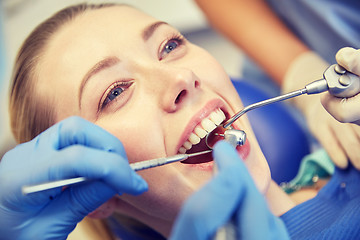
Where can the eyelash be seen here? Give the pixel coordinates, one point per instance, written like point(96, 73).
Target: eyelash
point(177, 37)
point(105, 101)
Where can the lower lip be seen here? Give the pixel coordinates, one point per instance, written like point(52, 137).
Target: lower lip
point(208, 166)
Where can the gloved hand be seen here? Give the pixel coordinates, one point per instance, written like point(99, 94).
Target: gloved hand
point(71, 148)
point(341, 141)
point(231, 192)
point(345, 109)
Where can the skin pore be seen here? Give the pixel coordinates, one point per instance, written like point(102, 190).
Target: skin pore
point(142, 81)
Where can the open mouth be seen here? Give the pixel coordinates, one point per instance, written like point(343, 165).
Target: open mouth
point(196, 141)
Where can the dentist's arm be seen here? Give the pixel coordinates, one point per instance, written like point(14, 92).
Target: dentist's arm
point(71, 148)
point(239, 21)
point(231, 193)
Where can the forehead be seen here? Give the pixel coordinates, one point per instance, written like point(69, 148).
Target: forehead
point(83, 41)
point(95, 32)
point(124, 18)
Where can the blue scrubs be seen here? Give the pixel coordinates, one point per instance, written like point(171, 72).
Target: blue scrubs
point(324, 26)
point(333, 214)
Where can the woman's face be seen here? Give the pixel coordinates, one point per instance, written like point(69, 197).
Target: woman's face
point(139, 79)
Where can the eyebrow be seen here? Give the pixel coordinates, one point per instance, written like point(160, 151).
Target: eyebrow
point(100, 66)
point(149, 30)
point(111, 61)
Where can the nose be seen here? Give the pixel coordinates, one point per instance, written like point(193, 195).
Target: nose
point(181, 86)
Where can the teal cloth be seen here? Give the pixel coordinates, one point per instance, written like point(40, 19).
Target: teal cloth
point(315, 165)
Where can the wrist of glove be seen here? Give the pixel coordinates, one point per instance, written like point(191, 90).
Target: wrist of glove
point(306, 68)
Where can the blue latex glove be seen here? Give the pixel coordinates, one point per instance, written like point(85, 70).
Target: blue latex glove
point(71, 148)
point(231, 193)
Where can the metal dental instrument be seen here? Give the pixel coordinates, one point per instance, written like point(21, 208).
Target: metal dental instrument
point(336, 79)
point(135, 166)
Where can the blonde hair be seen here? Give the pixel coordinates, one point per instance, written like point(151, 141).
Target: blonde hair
point(31, 114)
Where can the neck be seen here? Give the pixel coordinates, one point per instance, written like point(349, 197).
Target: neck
point(162, 226)
point(279, 202)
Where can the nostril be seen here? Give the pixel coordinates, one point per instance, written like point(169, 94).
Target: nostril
point(180, 96)
point(197, 84)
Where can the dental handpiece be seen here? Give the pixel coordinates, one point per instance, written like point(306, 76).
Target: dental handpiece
point(135, 166)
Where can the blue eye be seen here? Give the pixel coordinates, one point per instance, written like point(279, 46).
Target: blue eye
point(114, 92)
point(171, 45)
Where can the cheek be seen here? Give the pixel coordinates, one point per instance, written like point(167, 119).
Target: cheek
point(142, 139)
point(212, 75)
point(256, 162)
point(258, 168)
point(208, 68)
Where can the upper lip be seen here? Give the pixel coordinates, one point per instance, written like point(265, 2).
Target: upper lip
point(199, 116)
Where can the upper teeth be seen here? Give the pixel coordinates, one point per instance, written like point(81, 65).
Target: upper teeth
point(207, 125)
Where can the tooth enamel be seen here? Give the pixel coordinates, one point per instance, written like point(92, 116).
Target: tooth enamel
point(194, 139)
point(217, 117)
point(200, 132)
point(187, 145)
point(182, 150)
point(208, 125)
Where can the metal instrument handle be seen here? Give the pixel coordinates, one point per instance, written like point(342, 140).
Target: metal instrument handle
point(341, 83)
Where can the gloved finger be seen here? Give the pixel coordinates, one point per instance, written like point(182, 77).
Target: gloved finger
point(342, 109)
point(78, 131)
point(349, 141)
point(252, 210)
point(253, 214)
point(356, 129)
point(96, 164)
point(349, 58)
point(78, 201)
point(356, 161)
point(70, 207)
point(73, 204)
point(327, 138)
point(214, 204)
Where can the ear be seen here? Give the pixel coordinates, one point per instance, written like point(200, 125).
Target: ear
point(104, 210)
